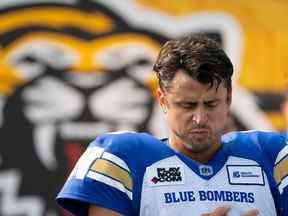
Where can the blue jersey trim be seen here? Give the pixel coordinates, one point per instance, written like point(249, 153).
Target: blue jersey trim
point(76, 198)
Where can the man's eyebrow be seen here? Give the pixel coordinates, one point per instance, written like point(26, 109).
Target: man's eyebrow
point(213, 100)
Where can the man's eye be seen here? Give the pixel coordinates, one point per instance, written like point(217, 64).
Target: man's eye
point(188, 105)
point(211, 104)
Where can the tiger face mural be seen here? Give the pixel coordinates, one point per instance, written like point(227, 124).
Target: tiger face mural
point(69, 73)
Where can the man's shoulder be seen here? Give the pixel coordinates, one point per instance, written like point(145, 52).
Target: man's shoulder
point(132, 146)
point(266, 144)
point(259, 136)
point(125, 140)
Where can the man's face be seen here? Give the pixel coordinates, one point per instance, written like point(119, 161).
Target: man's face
point(197, 114)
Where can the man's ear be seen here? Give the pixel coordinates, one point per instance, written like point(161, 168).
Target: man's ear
point(229, 96)
point(161, 97)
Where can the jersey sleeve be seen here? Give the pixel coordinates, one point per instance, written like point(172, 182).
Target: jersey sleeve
point(100, 178)
point(281, 174)
point(275, 146)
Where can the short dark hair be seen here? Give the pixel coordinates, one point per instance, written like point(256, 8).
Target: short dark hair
point(197, 55)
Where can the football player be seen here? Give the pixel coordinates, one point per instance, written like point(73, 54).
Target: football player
point(195, 171)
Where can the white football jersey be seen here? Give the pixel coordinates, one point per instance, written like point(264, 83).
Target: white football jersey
point(137, 174)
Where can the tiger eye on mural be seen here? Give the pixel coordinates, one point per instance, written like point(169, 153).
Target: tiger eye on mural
point(71, 71)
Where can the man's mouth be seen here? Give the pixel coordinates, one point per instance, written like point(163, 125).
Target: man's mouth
point(200, 130)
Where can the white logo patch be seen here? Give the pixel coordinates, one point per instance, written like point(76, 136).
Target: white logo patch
point(245, 174)
point(206, 170)
point(165, 175)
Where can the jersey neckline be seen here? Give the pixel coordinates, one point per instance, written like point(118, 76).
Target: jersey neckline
point(208, 170)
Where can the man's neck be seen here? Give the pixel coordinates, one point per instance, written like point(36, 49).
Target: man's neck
point(201, 157)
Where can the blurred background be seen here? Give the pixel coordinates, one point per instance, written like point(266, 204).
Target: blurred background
point(71, 70)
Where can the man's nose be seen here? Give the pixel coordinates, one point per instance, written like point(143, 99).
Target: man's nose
point(200, 116)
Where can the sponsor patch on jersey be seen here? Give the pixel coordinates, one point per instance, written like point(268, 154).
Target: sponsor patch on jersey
point(171, 175)
point(245, 175)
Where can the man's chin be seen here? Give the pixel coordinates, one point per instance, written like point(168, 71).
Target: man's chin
point(198, 147)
